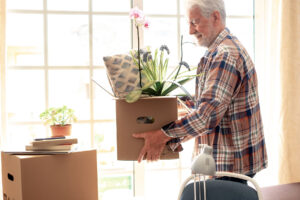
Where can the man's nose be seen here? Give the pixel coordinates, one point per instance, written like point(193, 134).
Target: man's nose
point(192, 30)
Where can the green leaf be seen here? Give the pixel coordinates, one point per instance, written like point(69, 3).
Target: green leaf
point(173, 71)
point(148, 72)
point(148, 84)
point(165, 67)
point(149, 91)
point(174, 86)
point(161, 60)
point(159, 91)
point(58, 116)
point(133, 96)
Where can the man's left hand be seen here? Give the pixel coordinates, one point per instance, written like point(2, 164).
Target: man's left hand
point(155, 142)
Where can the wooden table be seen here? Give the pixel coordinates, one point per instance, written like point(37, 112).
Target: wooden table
point(282, 192)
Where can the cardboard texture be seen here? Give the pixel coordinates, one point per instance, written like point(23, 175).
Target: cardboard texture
point(130, 117)
point(70, 176)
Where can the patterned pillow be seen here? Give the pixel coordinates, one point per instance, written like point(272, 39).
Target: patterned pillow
point(122, 73)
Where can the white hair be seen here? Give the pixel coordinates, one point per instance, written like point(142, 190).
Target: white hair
point(207, 7)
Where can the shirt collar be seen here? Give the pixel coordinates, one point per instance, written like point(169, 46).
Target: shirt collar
point(219, 39)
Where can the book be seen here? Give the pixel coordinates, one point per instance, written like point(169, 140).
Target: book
point(49, 138)
point(22, 152)
point(44, 143)
point(48, 148)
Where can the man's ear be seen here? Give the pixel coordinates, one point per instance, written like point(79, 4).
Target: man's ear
point(216, 17)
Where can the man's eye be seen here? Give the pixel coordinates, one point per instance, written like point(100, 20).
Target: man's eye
point(192, 22)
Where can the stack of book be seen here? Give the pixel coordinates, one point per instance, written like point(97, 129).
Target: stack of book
point(54, 144)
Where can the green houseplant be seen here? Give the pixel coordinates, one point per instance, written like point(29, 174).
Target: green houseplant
point(59, 119)
point(153, 67)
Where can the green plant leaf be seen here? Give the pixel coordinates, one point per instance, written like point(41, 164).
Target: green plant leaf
point(58, 116)
point(133, 96)
point(161, 60)
point(148, 72)
point(149, 91)
point(156, 81)
point(174, 86)
point(165, 67)
point(159, 87)
point(148, 84)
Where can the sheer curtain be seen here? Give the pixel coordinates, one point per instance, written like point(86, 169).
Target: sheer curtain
point(290, 85)
point(277, 45)
point(267, 58)
point(2, 67)
point(2, 74)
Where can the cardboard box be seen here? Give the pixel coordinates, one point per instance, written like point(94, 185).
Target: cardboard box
point(70, 176)
point(143, 115)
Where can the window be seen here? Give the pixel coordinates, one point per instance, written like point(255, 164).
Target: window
point(55, 47)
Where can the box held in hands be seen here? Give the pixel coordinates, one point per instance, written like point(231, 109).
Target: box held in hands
point(146, 114)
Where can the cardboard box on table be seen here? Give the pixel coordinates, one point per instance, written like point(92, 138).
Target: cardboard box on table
point(71, 176)
point(131, 117)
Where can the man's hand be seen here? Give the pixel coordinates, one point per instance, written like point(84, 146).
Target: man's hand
point(155, 141)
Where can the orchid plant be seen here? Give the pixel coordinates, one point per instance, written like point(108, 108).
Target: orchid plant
point(153, 66)
point(139, 20)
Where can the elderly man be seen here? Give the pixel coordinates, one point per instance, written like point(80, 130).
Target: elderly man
point(227, 113)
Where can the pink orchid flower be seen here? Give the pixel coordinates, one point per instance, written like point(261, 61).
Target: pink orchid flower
point(139, 18)
point(140, 21)
point(136, 13)
point(146, 23)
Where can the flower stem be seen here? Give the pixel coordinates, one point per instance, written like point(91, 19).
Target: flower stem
point(139, 56)
point(181, 56)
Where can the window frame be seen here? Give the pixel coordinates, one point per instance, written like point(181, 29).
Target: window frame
point(138, 170)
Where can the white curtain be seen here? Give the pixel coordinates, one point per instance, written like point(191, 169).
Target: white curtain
point(289, 166)
point(2, 74)
point(2, 68)
point(277, 34)
point(267, 59)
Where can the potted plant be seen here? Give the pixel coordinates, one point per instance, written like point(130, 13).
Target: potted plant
point(152, 66)
point(59, 119)
point(154, 69)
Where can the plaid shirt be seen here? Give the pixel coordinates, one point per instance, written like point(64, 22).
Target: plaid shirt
point(227, 113)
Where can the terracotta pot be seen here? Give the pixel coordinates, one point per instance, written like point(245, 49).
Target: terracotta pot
point(58, 130)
